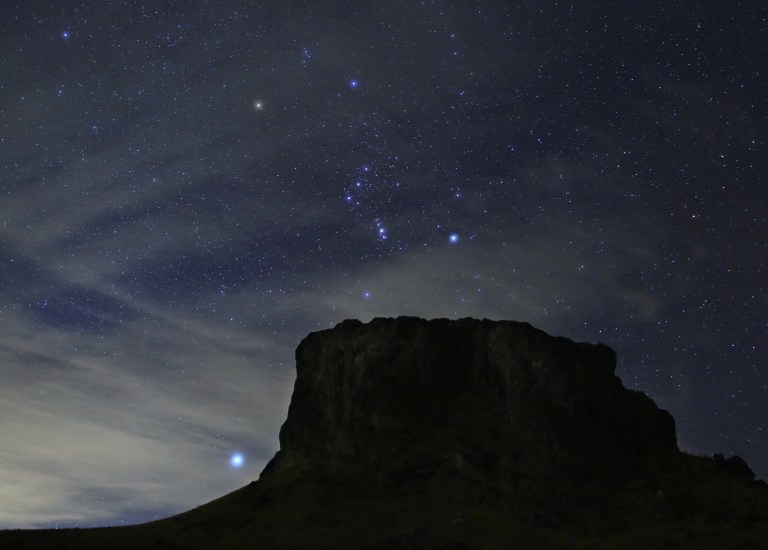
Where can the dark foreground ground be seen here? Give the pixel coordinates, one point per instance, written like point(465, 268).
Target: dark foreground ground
point(686, 503)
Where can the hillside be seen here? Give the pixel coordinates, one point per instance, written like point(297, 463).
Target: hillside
point(407, 433)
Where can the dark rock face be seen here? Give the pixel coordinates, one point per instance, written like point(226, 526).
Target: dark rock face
point(406, 433)
point(489, 401)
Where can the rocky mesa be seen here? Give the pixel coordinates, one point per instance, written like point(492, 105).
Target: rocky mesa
point(409, 433)
point(495, 402)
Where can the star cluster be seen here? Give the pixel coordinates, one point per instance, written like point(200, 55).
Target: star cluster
point(187, 189)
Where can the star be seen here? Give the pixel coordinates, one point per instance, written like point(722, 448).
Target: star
point(236, 460)
point(453, 238)
point(258, 105)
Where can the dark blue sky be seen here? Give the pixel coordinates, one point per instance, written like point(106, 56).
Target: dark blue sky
point(188, 188)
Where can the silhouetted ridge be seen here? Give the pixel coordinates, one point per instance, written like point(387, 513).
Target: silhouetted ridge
point(490, 400)
point(468, 434)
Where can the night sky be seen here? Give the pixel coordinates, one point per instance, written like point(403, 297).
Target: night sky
point(188, 188)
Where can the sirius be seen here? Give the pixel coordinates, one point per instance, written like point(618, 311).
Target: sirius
point(236, 460)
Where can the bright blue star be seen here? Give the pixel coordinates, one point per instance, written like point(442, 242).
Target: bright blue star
point(65, 35)
point(366, 294)
point(454, 238)
point(236, 460)
point(354, 84)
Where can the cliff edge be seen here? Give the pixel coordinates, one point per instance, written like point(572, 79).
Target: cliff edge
point(496, 402)
point(463, 434)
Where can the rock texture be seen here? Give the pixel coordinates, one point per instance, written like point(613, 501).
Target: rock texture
point(492, 401)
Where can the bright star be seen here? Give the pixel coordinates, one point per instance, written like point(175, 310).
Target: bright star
point(236, 460)
point(65, 35)
point(354, 84)
point(258, 105)
point(454, 238)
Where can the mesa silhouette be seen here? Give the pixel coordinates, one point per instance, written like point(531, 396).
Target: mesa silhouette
point(408, 433)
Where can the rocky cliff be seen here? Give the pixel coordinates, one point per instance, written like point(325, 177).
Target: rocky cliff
point(467, 434)
point(491, 401)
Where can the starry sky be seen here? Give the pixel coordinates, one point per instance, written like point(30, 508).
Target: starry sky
point(188, 188)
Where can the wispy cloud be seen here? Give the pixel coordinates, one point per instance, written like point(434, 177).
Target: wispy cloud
point(100, 429)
